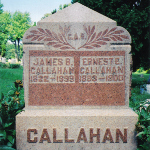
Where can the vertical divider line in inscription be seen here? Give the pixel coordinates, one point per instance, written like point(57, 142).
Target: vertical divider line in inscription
point(124, 68)
point(76, 65)
point(29, 101)
point(29, 68)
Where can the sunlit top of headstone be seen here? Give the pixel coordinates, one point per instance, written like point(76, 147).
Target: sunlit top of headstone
point(77, 13)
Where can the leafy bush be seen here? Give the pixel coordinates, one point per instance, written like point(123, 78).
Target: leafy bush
point(10, 50)
point(143, 125)
point(141, 106)
point(8, 65)
point(148, 71)
point(137, 81)
point(4, 65)
point(14, 66)
point(141, 69)
point(10, 106)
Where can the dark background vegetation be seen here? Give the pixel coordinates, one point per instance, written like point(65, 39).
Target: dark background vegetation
point(133, 15)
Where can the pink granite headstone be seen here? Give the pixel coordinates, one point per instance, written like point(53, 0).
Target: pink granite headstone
point(77, 83)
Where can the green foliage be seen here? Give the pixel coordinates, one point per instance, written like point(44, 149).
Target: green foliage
point(34, 24)
point(10, 106)
point(7, 76)
point(46, 15)
point(4, 65)
point(63, 6)
point(3, 49)
point(8, 65)
point(133, 15)
point(10, 51)
point(55, 10)
point(1, 10)
point(139, 103)
point(13, 27)
point(148, 71)
point(14, 66)
point(137, 80)
point(141, 69)
point(4, 31)
point(142, 107)
point(20, 22)
point(143, 126)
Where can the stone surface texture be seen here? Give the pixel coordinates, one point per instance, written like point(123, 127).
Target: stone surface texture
point(76, 49)
point(74, 120)
point(76, 84)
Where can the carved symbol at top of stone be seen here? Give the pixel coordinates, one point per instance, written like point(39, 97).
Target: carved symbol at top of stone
point(92, 38)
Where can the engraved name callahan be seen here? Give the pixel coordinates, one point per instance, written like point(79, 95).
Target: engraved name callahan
point(52, 70)
point(92, 69)
point(33, 137)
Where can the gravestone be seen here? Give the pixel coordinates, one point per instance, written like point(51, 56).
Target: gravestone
point(9, 60)
point(13, 61)
point(76, 82)
point(21, 63)
point(3, 60)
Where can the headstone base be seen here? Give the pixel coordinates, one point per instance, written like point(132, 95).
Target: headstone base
point(86, 129)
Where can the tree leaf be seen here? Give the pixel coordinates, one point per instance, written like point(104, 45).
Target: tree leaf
point(3, 133)
point(8, 124)
point(1, 121)
point(4, 147)
point(11, 139)
point(140, 133)
point(2, 96)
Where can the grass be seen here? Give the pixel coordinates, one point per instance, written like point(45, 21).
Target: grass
point(7, 77)
point(137, 80)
